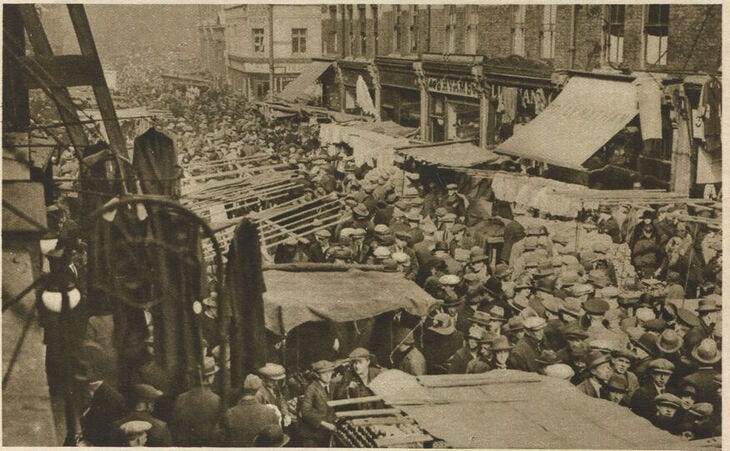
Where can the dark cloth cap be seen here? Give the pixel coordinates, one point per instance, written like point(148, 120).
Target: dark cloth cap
point(145, 392)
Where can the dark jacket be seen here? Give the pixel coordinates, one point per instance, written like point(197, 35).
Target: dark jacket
point(439, 348)
point(458, 362)
point(703, 380)
point(243, 422)
point(314, 411)
point(524, 354)
point(106, 407)
point(195, 415)
point(642, 403)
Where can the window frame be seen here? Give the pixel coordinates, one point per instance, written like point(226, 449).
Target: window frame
point(397, 28)
point(519, 18)
point(451, 29)
point(298, 36)
point(615, 28)
point(548, 31)
point(472, 29)
point(660, 32)
point(413, 31)
point(362, 12)
point(258, 33)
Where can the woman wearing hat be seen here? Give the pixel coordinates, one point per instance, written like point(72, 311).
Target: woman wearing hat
point(646, 254)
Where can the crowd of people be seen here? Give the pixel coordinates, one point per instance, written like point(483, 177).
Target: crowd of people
point(509, 297)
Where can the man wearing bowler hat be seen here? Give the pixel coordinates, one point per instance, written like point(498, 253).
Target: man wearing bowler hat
point(707, 357)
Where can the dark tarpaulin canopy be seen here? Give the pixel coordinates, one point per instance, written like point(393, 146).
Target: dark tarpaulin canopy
point(471, 411)
point(458, 154)
point(293, 298)
point(302, 87)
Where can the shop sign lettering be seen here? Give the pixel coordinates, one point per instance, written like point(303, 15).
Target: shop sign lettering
point(456, 87)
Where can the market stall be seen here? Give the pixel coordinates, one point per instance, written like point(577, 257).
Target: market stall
point(372, 143)
point(312, 305)
point(471, 411)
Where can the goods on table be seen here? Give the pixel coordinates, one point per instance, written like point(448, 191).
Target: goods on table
point(381, 432)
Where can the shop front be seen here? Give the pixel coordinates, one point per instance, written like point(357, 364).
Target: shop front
point(520, 89)
point(454, 97)
point(400, 92)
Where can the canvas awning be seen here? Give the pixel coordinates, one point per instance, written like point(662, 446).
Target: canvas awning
point(584, 117)
point(471, 411)
point(304, 87)
point(293, 298)
point(463, 154)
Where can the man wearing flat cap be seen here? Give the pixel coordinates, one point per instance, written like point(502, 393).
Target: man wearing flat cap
point(272, 389)
point(529, 347)
point(134, 432)
point(143, 399)
point(317, 418)
point(244, 421)
point(642, 403)
point(317, 251)
point(195, 413)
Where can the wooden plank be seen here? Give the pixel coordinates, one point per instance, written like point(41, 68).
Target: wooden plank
point(359, 422)
point(63, 71)
point(367, 413)
point(101, 91)
point(347, 402)
point(324, 267)
point(60, 96)
point(387, 442)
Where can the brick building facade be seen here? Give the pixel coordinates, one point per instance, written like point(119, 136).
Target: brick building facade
point(255, 58)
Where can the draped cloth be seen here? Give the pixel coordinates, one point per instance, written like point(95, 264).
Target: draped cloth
point(155, 163)
point(120, 282)
point(243, 288)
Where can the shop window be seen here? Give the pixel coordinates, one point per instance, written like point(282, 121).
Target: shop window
point(615, 33)
point(258, 40)
point(299, 40)
point(547, 35)
point(451, 30)
point(396, 28)
point(657, 34)
point(518, 30)
point(413, 29)
point(363, 30)
point(462, 120)
point(472, 32)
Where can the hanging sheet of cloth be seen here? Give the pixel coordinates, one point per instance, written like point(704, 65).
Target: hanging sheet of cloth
point(711, 101)
point(244, 288)
point(649, 94)
point(509, 104)
point(120, 281)
point(155, 163)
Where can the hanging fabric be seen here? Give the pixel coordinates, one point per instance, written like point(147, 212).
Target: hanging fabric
point(363, 100)
point(711, 100)
point(650, 108)
point(155, 163)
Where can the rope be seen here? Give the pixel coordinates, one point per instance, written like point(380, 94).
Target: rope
point(24, 216)
point(18, 347)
